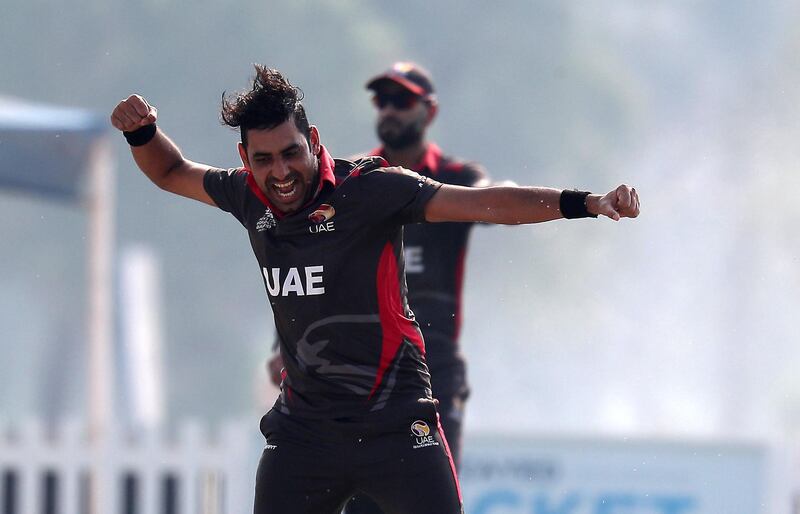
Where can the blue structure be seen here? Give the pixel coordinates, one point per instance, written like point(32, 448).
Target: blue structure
point(46, 150)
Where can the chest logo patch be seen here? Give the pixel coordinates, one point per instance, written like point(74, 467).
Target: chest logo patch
point(320, 219)
point(323, 213)
point(266, 221)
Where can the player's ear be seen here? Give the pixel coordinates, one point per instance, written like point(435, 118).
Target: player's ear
point(243, 155)
point(313, 140)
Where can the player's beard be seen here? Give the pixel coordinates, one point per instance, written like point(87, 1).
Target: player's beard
point(405, 137)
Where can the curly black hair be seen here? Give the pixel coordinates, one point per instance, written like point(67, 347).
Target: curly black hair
point(271, 101)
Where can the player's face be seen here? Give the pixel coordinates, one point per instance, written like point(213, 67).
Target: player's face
point(284, 164)
point(402, 116)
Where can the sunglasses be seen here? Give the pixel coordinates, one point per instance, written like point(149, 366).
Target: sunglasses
point(401, 101)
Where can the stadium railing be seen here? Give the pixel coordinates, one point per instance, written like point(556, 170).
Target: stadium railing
point(191, 470)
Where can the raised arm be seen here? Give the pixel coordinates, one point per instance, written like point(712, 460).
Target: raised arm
point(514, 205)
point(158, 157)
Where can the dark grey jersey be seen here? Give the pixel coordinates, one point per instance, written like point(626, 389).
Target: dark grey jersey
point(334, 275)
point(435, 254)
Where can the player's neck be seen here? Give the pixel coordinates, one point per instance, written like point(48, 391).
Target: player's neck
point(407, 157)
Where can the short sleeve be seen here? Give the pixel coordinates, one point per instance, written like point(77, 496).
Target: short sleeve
point(228, 188)
point(399, 196)
point(475, 175)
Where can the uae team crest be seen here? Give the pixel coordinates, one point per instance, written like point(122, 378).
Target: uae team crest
point(323, 213)
point(420, 428)
point(422, 435)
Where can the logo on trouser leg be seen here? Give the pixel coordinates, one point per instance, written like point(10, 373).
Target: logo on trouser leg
point(422, 435)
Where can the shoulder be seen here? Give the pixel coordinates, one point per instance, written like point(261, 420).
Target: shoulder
point(375, 152)
point(374, 177)
point(225, 177)
point(346, 168)
point(453, 170)
point(227, 172)
point(231, 190)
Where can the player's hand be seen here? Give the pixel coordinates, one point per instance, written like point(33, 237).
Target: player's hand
point(132, 113)
point(274, 368)
point(623, 202)
point(397, 169)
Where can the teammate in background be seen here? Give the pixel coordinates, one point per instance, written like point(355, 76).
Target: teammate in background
point(355, 414)
point(435, 253)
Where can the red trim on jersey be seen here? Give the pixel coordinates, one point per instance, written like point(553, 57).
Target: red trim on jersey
point(357, 171)
point(462, 257)
point(326, 165)
point(449, 456)
point(395, 326)
point(284, 386)
point(455, 167)
point(251, 183)
point(430, 160)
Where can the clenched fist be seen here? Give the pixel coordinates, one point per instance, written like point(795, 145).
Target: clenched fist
point(623, 202)
point(132, 113)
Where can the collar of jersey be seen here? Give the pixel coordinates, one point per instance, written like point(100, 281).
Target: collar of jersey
point(429, 161)
point(326, 165)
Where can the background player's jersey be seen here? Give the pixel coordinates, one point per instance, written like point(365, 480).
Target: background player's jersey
point(334, 276)
point(435, 255)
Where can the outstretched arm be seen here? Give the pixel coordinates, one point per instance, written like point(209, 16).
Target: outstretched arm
point(510, 205)
point(158, 157)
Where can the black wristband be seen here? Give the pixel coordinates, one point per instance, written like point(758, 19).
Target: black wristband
point(140, 136)
point(573, 204)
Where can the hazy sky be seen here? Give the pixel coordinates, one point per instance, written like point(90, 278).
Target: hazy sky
point(677, 323)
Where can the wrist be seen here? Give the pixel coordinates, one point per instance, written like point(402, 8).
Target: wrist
point(578, 204)
point(140, 136)
point(593, 204)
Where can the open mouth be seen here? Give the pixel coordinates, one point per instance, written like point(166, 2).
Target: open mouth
point(286, 191)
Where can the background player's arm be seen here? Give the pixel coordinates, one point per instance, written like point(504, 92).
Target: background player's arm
point(160, 159)
point(516, 205)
